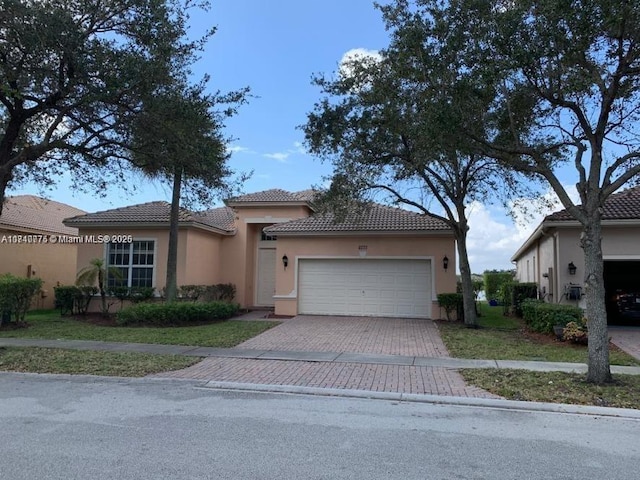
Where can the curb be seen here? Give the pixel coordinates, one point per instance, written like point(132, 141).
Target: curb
point(499, 404)
point(627, 413)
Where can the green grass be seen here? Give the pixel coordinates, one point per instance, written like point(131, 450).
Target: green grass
point(79, 362)
point(503, 338)
point(557, 387)
point(50, 325)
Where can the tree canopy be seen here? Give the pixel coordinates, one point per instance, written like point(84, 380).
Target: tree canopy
point(72, 78)
point(387, 126)
point(560, 82)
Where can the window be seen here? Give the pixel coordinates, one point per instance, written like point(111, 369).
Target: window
point(130, 264)
point(265, 237)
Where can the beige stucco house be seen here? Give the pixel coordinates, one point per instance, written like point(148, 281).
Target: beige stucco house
point(553, 258)
point(281, 254)
point(28, 225)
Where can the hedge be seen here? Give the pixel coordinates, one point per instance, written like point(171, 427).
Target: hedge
point(72, 299)
point(175, 313)
point(16, 294)
point(451, 302)
point(493, 279)
point(540, 316)
point(512, 294)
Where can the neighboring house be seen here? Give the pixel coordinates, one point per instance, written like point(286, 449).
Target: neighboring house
point(553, 258)
point(280, 254)
point(27, 226)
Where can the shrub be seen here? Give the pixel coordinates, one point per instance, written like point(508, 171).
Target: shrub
point(222, 292)
point(135, 294)
point(541, 317)
point(175, 313)
point(191, 292)
point(576, 331)
point(141, 294)
point(72, 299)
point(16, 294)
point(521, 292)
point(505, 294)
point(451, 302)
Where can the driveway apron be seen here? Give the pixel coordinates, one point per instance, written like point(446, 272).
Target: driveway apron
point(386, 336)
point(627, 339)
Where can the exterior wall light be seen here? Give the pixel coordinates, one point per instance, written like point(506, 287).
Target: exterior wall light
point(572, 268)
point(445, 263)
point(285, 261)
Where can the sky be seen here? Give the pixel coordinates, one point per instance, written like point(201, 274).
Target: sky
point(275, 48)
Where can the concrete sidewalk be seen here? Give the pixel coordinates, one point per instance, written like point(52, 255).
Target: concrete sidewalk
point(304, 356)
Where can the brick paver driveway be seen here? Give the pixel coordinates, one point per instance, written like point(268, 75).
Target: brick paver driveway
point(627, 339)
point(390, 336)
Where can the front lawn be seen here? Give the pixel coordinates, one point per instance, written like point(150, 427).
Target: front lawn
point(79, 362)
point(505, 338)
point(556, 387)
point(50, 324)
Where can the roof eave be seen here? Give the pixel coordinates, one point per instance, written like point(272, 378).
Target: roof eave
point(297, 203)
point(147, 226)
point(360, 233)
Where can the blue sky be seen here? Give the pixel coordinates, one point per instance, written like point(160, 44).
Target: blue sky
point(274, 48)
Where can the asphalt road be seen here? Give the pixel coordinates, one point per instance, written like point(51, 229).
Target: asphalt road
point(97, 429)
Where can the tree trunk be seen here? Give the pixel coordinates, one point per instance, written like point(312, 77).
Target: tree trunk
point(103, 292)
point(599, 370)
point(4, 183)
point(171, 287)
point(468, 295)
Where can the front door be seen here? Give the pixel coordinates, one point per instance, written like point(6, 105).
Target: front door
point(266, 277)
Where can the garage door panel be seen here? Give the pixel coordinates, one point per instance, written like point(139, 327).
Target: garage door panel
point(365, 287)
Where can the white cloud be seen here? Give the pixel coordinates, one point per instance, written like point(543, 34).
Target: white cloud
point(238, 149)
point(358, 55)
point(279, 156)
point(494, 237)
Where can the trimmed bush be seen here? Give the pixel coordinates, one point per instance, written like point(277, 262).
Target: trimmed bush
point(223, 292)
point(541, 317)
point(175, 313)
point(220, 292)
point(134, 294)
point(74, 300)
point(451, 302)
point(521, 292)
point(16, 295)
point(191, 292)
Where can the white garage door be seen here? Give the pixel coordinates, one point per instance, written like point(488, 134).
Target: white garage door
point(394, 288)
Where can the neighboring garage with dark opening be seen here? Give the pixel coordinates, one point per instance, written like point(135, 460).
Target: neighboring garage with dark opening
point(622, 287)
point(553, 258)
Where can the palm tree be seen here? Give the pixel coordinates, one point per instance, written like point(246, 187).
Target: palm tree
point(97, 270)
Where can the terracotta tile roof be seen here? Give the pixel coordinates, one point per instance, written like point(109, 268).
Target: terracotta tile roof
point(156, 213)
point(275, 195)
point(36, 213)
point(377, 218)
point(624, 205)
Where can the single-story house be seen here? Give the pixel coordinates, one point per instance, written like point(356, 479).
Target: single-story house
point(553, 258)
point(27, 225)
point(280, 253)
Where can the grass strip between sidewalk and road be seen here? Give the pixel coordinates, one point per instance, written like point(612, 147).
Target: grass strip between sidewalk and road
point(556, 387)
point(82, 362)
point(223, 334)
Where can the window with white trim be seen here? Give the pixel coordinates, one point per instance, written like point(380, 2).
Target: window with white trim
point(131, 264)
